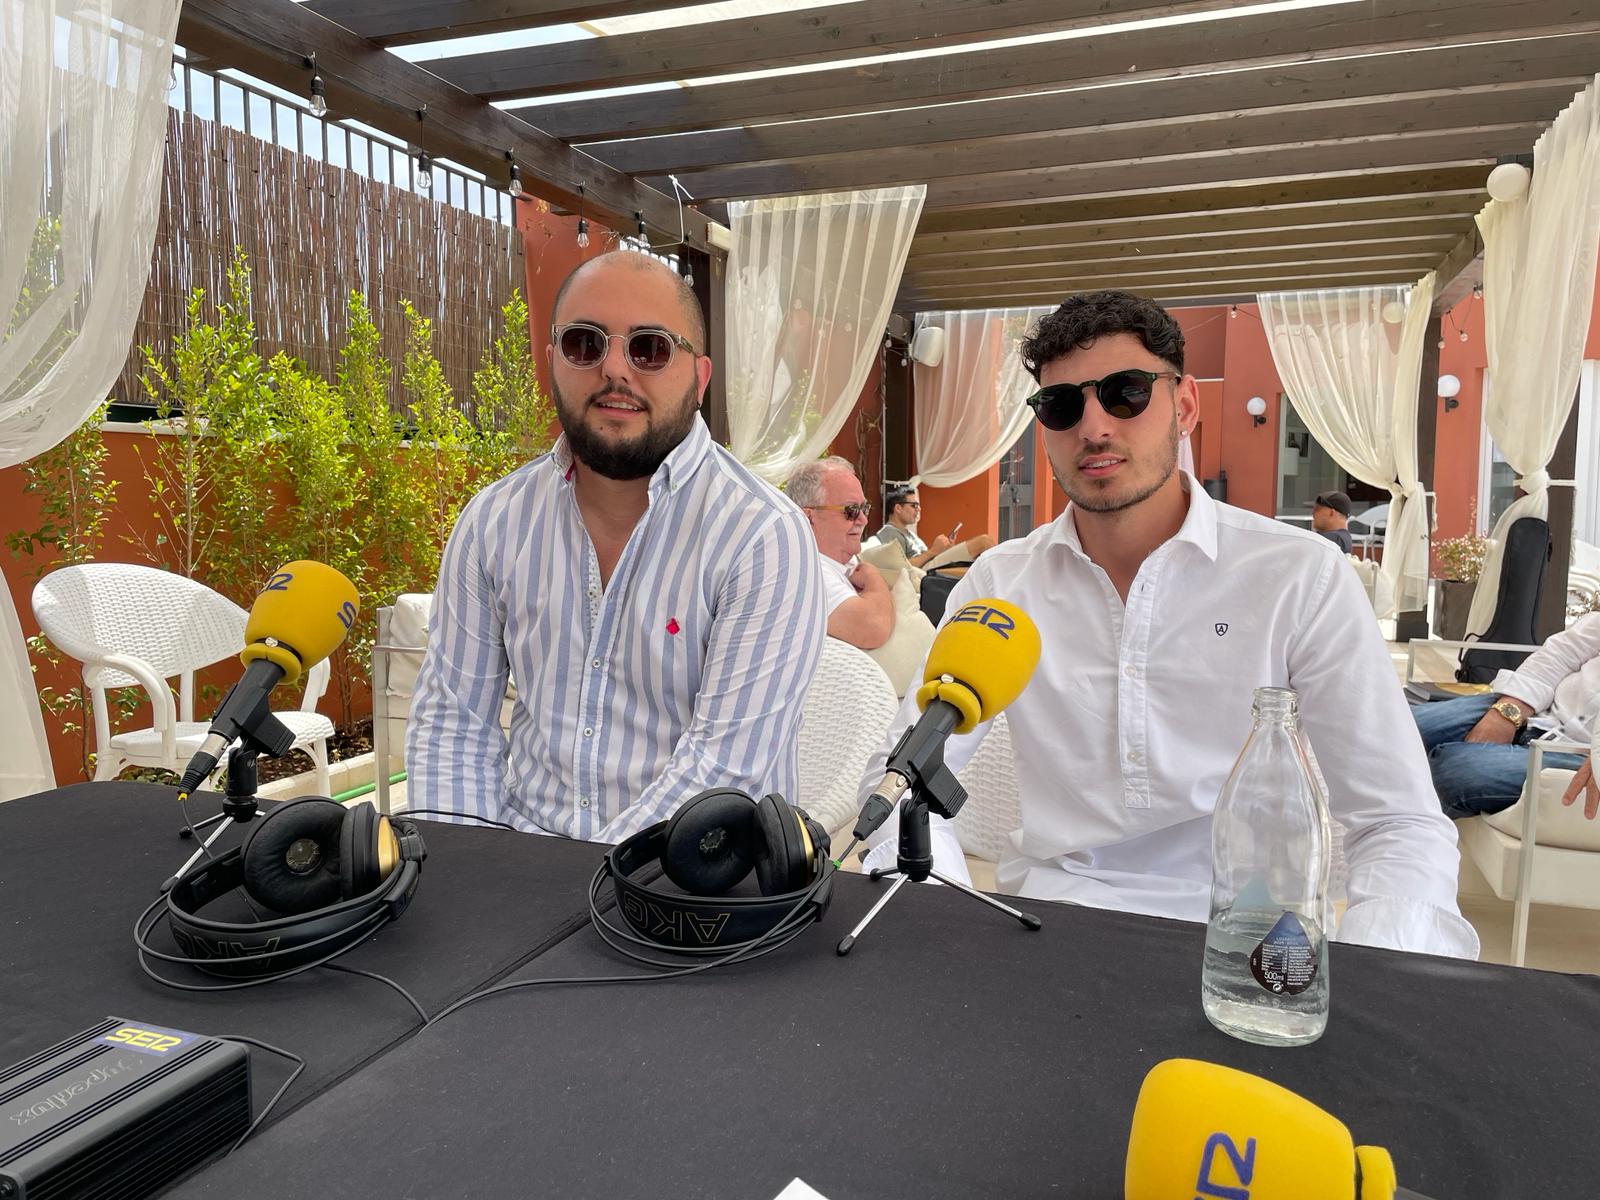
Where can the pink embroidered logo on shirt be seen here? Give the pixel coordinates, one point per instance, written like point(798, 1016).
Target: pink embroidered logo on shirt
point(672, 625)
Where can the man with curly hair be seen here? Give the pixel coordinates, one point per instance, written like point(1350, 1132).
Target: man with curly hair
point(1161, 610)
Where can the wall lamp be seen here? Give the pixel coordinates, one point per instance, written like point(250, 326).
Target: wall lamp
point(1257, 408)
point(1449, 389)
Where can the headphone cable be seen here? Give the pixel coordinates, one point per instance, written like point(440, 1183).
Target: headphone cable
point(754, 948)
point(409, 998)
point(278, 1095)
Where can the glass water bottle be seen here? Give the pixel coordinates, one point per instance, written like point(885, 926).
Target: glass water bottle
point(1265, 977)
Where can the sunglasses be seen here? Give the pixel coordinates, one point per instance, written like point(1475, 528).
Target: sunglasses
point(649, 351)
point(1123, 394)
point(852, 512)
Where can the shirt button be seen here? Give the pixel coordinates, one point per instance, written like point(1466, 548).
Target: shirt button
point(588, 733)
point(595, 664)
point(584, 803)
point(1133, 756)
point(1130, 672)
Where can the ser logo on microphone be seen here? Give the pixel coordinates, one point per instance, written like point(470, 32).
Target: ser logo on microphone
point(989, 618)
point(1207, 1185)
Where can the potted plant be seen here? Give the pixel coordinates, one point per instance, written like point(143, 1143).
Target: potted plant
point(1460, 560)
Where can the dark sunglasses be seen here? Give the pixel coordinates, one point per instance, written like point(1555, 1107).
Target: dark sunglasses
point(649, 350)
point(852, 512)
point(1123, 394)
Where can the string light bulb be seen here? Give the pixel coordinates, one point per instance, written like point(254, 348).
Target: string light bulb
point(514, 186)
point(1463, 335)
point(424, 163)
point(644, 234)
point(583, 222)
point(1233, 312)
point(318, 89)
point(1477, 291)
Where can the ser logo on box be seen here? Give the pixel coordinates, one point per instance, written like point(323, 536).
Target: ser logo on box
point(154, 1040)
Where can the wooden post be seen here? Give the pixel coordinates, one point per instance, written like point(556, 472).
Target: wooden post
point(1414, 623)
point(1552, 615)
point(710, 285)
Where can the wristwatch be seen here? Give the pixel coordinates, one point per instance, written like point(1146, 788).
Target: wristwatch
point(1511, 711)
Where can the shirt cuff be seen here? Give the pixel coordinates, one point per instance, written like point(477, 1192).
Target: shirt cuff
point(1396, 923)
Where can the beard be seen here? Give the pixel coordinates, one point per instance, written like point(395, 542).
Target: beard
point(623, 458)
point(1113, 500)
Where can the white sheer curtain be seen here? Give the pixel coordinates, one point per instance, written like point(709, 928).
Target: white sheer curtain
point(1353, 379)
point(970, 408)
point(83, 116)
point(810, 283)
point(1538, 287)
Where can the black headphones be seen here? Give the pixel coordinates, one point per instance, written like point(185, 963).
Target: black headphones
point(331, 876)
point(709, 845)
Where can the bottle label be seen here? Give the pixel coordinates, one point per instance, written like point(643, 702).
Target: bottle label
point(1285, 963)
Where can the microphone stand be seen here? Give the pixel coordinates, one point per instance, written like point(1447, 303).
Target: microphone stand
point(239, 804)
point(931, 786)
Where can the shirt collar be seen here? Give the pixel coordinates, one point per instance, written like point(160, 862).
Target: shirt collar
point(678, 468)
point(1199, 526)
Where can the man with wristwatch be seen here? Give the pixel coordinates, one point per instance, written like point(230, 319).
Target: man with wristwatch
point(1477, 745)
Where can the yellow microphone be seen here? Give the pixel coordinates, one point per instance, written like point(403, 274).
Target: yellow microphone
point(1205, 1131)
point(979, 662)
point(299, 618)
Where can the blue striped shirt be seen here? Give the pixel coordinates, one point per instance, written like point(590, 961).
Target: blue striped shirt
point(686, 671)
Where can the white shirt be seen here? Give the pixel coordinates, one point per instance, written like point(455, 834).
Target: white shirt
point(1131, 723)
point(1561, 680)
point(687, 670)
point(836, 585)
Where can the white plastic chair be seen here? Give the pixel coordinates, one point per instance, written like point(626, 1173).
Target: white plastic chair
point(848, 710)
point(131, 625)
point(1565, 845)
point(985, 823)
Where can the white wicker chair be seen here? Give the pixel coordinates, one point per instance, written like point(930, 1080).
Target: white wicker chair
point(985, 823)
point(849, 708)
point(131, 625)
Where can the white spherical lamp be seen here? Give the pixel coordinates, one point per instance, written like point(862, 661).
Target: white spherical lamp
point(1509, 181)
point(1449, 386)
point(1394, 312)
point(1257, 408)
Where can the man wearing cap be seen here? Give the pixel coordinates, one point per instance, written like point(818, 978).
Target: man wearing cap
point(1330, 512)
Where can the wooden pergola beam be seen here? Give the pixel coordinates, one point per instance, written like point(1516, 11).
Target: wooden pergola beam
point(1378, 194)
point(1193, 291)
point(1258, 40)
point(399, 22)
point(779, 39)
point(1399, 79)
point(1264, 247)
point(1357, 158)
point(1337, 126)
point(1231, 278)
point(1420, 258)
point(271, 39)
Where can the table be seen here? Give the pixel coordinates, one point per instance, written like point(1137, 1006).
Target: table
point(78, 864)
point(951, 1054)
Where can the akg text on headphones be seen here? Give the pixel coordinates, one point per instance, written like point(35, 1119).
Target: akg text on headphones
point(712, 843)
point(330, 875)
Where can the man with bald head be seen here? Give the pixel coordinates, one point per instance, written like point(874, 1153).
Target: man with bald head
point(659, 606)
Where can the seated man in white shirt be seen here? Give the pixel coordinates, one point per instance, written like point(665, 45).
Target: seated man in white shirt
point(1478, 745)
point(658, 604)
point(1161, 611)
point(859, 607)
point(904, 503)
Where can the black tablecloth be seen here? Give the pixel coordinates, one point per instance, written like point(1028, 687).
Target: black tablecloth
point(77, 866)
point(951, 1054)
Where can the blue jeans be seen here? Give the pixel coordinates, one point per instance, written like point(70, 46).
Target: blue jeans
point(1474, 777)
